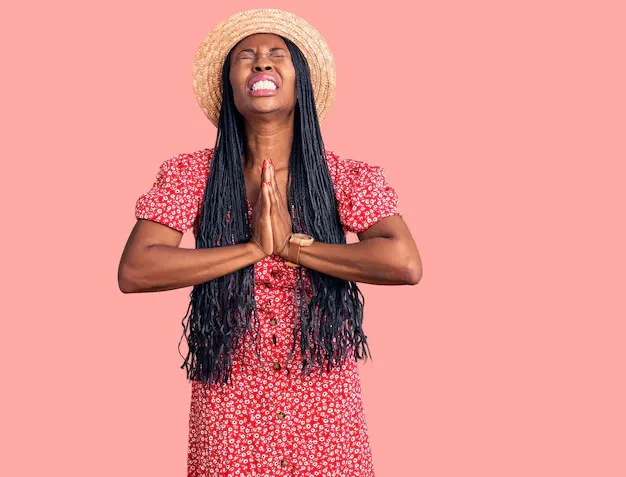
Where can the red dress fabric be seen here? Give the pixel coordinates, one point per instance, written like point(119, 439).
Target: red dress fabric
point(269, 421)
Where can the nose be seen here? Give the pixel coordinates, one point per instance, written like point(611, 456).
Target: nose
point(262, 64)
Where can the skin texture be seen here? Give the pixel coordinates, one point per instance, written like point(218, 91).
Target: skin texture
point(153, 260)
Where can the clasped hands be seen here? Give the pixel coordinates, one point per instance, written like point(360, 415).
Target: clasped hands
point(271, 222)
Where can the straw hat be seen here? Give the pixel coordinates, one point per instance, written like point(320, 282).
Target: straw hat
point(211, 54)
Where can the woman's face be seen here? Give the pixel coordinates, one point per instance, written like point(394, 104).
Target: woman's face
point(263, 77)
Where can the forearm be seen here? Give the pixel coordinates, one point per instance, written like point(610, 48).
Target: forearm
point(377, 260)
point(163, 267)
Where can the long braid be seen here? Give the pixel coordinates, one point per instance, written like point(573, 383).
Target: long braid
point(222, 310)
point(330, 319)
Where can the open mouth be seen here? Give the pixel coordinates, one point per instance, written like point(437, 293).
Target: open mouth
point(263, 88)
point(264, 85)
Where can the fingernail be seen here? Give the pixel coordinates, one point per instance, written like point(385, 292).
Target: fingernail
point(262, 185)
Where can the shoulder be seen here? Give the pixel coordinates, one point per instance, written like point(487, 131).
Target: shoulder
point(188, 165)
point(339, 163)
point(347, 172)
point(175, 196)
point(363, 193)
point(185, 171)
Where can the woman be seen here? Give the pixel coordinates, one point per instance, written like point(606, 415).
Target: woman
point(273, 274)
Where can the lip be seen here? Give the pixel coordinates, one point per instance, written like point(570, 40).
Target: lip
point(260, 77)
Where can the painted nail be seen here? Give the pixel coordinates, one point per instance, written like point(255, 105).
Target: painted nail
point(262, 185)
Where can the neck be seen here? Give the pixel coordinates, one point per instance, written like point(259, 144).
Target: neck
point(268, 140)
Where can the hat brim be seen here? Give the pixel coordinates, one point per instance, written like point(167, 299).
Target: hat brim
point(210, 57)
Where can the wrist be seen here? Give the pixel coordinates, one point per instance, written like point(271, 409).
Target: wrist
point(291, 251)
point(256, 251)
point(284, 250)
point(297, 242)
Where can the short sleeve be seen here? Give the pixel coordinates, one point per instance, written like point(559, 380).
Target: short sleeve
point(364, 194)
point(175, 197)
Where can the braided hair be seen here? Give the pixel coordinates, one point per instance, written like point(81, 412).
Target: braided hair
point(222, 310)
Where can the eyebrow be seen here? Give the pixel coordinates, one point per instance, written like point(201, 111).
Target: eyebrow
point(251, 50)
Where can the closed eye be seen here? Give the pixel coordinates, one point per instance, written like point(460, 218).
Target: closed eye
point(252, 57)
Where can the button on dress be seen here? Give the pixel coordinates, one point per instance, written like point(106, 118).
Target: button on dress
point(269, 420)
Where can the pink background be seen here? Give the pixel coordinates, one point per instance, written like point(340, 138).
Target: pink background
point(500, 124)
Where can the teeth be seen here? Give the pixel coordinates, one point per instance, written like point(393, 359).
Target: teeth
point(264, 84)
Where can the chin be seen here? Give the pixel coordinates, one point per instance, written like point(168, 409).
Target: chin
point(266, 112)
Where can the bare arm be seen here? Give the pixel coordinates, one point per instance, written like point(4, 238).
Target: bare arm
point(385, 255)
point(153, 261)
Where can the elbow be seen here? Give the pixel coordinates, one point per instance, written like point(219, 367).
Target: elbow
point(126, 281)
point(413, 273)
point(133, 273)
point(409, 265)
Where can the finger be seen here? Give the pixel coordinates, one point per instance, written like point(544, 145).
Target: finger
point(265, 176)
point(278, 199)
point(267, 203)
point(275, 189)
point(271, 180)
point(272, 174)
point(272, 169)
point(272, 194)
point(262, 200)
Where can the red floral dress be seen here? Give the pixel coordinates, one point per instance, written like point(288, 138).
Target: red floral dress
point(269, 421)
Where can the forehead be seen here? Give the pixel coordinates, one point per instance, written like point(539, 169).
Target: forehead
point(260, 40)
